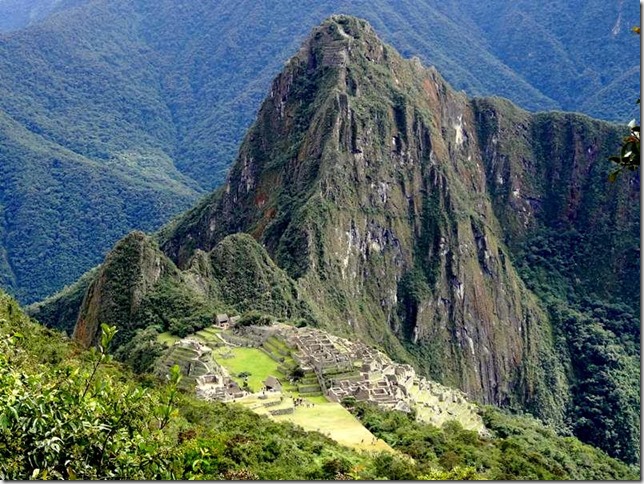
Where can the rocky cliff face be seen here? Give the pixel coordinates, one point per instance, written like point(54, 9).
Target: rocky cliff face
point(547, 176)
point(396, 210)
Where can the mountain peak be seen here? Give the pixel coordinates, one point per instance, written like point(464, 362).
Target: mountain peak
point(333, 43)
point(375, 186)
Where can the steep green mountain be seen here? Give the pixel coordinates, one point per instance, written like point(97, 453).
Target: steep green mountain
point(138, 286)
point(551, 47)
point(65, 416)
point(116, 115)
point(464, 236)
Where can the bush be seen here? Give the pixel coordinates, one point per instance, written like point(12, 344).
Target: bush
point(255, 318)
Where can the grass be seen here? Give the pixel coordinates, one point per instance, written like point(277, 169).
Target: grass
point(252, 360)
point(335, 421)
point(167, 338)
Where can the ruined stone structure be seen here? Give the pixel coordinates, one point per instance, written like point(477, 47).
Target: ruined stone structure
point(212, 382)
point(343, 369)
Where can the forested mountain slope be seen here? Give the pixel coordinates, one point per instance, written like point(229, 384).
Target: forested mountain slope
point(464, 236)
point(18, 14)
point(116, 115)
point(579, 55)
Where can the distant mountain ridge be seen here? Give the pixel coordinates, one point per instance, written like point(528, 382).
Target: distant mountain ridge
point(19, 14)
point(117, 115)
point(465, 236)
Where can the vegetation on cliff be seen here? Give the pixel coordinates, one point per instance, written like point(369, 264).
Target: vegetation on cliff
point(140, 291)
point(520, 447)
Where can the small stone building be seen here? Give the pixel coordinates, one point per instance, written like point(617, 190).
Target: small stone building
point(272, 384)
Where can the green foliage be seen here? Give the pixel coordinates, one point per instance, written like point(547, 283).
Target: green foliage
point(566, 201)
point(255, 318)
point(60, 422)
point(17, 14)
point(70, 414)
point(99, 352)
point(455, 474)
point(250, 280)
point(629, 155)
point(604, 358)
point(142, 350)
point(518, 448)
point(579, 254)
point(175, 307)
point(597, 63)
point(412, 291)
point(165, 411)
point(598, 341)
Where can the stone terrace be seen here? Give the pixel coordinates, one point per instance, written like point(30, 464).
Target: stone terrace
point(341, 367)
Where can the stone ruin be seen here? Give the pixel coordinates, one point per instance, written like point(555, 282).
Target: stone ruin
point(223, 321)
point(353, 369)
point(343, 369)
point(215, 383)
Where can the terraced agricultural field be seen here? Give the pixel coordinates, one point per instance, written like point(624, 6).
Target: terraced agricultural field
point(335, 421)
point(187, 359)
point(168, 338)
point(210, 336)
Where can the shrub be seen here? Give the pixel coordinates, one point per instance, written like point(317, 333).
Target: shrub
point(254, 318)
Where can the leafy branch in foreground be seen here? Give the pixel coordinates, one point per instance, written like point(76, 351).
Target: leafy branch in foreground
point(629, 155)
point(166, 411)
point(100, 354)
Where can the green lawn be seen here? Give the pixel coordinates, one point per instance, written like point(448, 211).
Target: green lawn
point(252, 360)
point(167, 338)
point(335, 421)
